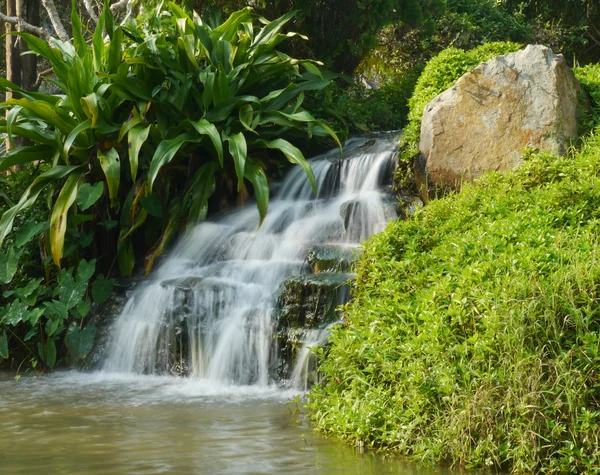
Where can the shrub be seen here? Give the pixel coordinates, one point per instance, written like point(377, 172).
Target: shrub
point(472, 337)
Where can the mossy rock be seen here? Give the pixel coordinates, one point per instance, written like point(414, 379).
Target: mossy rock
point(331, 258)
point(311, 300)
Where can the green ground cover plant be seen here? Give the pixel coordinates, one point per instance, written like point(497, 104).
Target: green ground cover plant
point(472, 338)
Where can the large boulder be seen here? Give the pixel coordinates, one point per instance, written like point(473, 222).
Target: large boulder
point(486, 120)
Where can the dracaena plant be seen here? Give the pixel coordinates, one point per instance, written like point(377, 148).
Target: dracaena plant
point(152, 114)
point(151, 118)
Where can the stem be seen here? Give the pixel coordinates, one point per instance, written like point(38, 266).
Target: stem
point(55, 19)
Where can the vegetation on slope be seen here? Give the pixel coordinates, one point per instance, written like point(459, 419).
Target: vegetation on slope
point(473, 336)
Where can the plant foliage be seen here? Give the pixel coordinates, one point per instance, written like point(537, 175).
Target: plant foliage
point(473, 334)
point(152, 117)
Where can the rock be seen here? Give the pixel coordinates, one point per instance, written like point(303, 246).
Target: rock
point(312, 300)
point(484, 122)
point(331, 257)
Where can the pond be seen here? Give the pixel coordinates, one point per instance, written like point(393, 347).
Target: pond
point(76, 423)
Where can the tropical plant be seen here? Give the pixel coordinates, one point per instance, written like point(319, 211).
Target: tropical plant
point(177, 99)
point(151, 119)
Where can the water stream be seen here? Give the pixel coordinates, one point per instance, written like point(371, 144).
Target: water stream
point(210, 313)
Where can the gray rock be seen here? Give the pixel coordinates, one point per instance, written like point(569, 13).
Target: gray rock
point(485, 121)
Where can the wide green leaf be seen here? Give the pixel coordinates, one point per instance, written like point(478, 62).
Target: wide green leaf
point(165, 152)
point(25, 155)
point(136, 138)
point(28, 231)
point(47, 352)
point(102, 288)
point(46, 112)
point(71, 291)
point(82, 127)
point(80, 342)
point(238, 150)
point(204, 127)
point(85, 270)
point(31, 194)
point(89, 194)
point(293, 154)
point(58, 219)
point(111, 166)
point(17, 312)
point(152, 205)
point(9, 263)
point(257, 177)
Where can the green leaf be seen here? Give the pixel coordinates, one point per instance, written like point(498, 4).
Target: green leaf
point(83, 308)
point(125, 258)
point(17, 312)
point(102, 288)
point(257, 177)
point(152, 205)
point(9, 263)
point(85, 270)
point(48, 113)
point(28, 231)
point(71, 291)
point(204, 127)
point(165, 153)
point(111, 165)
point(47, 352)
point(3, 345)
point(30, 288)
point(239, 150)
point(293, 154)
point(80, 342)
point(30, 195)
point(246, 117)
point(56, 309)
point(83, 126)
point(200, 190)
point(78, 39)
point(89, 194)
point(25, 155)
point(58, 219)
point(136, 138)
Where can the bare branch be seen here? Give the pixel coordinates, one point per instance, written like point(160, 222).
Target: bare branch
point(40, 78)
point(55, 19)
point(90, 9)
point(24, 26)
point(119, 7)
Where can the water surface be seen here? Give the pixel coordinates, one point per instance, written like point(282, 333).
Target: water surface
point(99, 423)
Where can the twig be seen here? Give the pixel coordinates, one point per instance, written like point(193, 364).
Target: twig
point(24, 26)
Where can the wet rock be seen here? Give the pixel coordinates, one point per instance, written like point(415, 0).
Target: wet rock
point(484, 122)
point(331, 258)
point(312, 300)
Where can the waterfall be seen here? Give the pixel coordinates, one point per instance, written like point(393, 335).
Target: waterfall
point(209, 310)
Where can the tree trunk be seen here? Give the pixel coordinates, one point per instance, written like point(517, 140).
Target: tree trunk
point(29, 62)
point(13, 55)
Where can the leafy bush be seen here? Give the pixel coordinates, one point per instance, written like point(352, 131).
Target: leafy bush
point(589, 78)
point(384, 108)
point(440, 73)
point(473, 334)
point(148, 124)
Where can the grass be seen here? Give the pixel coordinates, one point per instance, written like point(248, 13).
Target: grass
point(473, 335)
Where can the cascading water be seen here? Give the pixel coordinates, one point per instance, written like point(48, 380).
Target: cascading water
point(208, 311)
